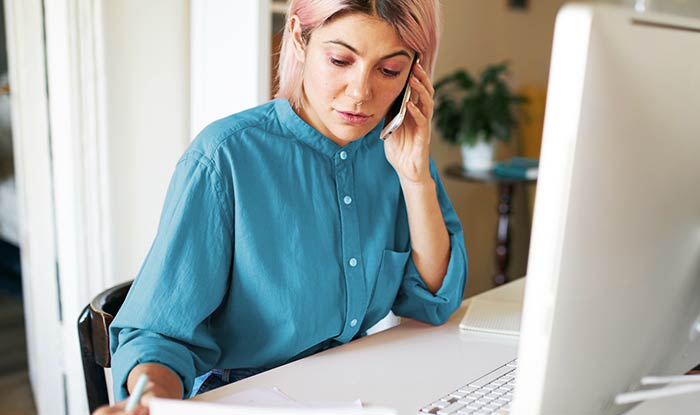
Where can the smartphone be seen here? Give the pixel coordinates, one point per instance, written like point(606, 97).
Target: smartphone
point(397, 111)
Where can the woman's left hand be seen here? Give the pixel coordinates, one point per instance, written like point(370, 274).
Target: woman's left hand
point(408, 148)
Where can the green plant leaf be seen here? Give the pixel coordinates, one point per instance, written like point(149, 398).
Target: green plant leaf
point(467, 107)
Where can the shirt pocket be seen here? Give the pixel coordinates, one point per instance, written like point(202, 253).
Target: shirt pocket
point(388, 280)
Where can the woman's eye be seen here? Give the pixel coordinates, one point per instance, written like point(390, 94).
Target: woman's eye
point(390, 73)
point(339, 62)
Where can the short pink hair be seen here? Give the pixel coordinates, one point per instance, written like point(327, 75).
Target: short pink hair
point(415, 21)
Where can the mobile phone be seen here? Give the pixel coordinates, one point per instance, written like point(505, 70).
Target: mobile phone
point(397, 111)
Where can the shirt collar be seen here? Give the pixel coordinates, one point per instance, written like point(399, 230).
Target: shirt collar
point(310, 136)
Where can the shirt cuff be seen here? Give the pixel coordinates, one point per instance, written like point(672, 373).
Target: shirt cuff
point(436, 308)
point(143, 348)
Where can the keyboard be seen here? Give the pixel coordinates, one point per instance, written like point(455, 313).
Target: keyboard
point(490, 394)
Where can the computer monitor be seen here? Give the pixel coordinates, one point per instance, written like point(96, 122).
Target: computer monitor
point(613, 278)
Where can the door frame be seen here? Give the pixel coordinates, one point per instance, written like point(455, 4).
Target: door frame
point(55, 69)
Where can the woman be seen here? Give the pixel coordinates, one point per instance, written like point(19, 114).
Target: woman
point(291, 227)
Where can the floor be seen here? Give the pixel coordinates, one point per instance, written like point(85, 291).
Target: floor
point(15, 393)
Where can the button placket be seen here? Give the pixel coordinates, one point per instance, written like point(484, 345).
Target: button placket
point(356, 293)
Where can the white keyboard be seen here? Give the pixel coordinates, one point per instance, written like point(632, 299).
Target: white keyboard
point(490, 394)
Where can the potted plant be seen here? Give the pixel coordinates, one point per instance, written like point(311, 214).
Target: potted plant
point(474, 113)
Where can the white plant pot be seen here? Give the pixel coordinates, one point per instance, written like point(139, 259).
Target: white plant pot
point(478, 157)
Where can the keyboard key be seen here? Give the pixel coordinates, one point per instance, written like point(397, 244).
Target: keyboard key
point(440, 404)
point(491, 376)
point(491, 394)
point(468, 389)
point(449, 410)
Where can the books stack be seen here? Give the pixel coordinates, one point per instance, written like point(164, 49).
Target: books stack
point(517, 168)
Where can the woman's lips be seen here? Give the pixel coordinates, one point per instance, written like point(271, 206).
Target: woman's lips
point(353, 118)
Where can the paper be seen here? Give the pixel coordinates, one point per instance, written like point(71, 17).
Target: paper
point(260, 402)
point(275, 398)
point(178, 407)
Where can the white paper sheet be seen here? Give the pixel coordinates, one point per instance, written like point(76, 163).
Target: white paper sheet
point(276, 398)
point(178, 407)
point(261, 402)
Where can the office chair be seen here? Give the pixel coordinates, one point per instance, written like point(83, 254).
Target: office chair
point(93, 334)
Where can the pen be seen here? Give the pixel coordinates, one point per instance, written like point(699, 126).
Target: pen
point(138, 391)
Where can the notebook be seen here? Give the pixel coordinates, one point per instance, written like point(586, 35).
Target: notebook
point(492, 316)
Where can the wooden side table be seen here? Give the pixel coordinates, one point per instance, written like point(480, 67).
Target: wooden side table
point(506, 186)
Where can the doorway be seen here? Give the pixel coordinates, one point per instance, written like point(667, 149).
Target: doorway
point(15, 391)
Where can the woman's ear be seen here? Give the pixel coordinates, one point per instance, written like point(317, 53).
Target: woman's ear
point(294, 27)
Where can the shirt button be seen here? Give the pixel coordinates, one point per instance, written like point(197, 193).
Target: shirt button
point(343, 155)
point(353, 323)
point(347, 200)
point(353, 262)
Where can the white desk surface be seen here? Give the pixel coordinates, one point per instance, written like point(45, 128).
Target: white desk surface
point(408, 366)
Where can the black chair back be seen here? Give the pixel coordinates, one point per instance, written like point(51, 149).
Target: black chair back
point(93, 333)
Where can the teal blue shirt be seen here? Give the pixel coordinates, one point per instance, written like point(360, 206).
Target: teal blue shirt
point(274, 243)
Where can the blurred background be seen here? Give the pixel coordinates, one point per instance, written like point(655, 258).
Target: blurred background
point(98, 100)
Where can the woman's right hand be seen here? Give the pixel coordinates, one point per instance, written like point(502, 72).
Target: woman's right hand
point(119, 408)
point(151, 391)
point(163, 383)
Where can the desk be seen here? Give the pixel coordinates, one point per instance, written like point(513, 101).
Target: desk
point(389, 367)
point(407, 367)
point(506, 186)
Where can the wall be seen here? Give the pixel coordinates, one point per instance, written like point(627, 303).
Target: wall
point(476, 33)
point(146, 52)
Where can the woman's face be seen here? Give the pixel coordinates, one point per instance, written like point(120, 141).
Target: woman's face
point(354, 68)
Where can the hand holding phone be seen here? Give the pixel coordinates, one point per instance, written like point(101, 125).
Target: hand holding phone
point(397, 111)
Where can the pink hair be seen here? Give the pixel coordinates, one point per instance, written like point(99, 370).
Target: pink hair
point(415, 21)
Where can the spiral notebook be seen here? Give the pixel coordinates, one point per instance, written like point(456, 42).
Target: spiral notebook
point(489, 316)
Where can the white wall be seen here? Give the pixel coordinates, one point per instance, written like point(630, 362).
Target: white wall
point(230, 58)
point(146, 53)
point(477, 33)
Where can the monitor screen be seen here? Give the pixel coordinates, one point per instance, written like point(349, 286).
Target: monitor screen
point(613, 279)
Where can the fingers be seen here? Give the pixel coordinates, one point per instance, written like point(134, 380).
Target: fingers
point(422, 132)
point(418, 117)
point(423, 90)
point(119, 408)
point(420, 73)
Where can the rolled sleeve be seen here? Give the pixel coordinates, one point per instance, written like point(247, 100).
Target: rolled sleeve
point(165, 317)
point(414, 299)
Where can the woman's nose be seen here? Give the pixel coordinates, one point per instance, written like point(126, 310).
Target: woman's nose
point(358, 87)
